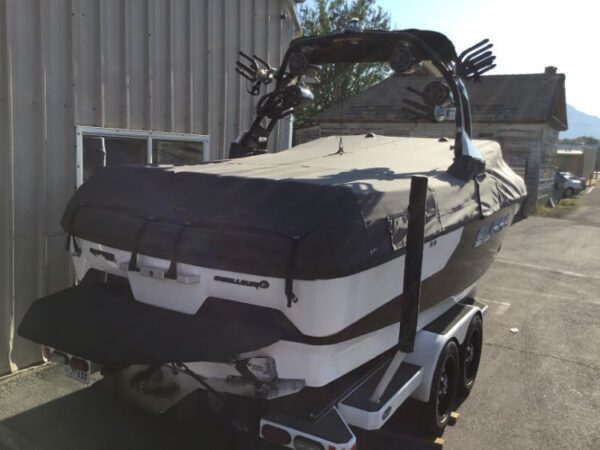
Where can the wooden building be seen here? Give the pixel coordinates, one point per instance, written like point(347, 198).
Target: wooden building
point(524, 113)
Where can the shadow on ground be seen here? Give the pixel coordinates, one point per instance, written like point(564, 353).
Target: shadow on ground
point(91, 419)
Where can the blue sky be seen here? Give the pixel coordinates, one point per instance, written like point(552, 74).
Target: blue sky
point(528, 35)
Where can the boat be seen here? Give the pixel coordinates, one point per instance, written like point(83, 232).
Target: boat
point(271, 274)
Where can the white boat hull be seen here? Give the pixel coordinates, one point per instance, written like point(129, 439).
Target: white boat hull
point(325, 306)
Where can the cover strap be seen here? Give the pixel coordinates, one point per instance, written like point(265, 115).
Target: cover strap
point(477, 180)
point(71, 233)
point(172, 272)
point(289, 279)
point(136, 245)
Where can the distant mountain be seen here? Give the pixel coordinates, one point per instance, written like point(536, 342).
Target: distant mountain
point(581, 124)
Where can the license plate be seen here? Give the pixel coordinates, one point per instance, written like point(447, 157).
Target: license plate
point(83, 376)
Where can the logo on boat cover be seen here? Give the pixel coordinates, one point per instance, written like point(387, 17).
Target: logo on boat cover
point(487, 232)
point(262, 284)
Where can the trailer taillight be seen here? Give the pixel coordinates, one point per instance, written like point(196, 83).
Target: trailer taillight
point(275, 434)
point(79, 364)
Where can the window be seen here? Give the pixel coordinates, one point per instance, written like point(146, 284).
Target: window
point(170, 152)
point(100, 147)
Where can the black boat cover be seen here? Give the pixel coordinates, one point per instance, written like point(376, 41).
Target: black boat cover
point(104, 324)
point(305, 213)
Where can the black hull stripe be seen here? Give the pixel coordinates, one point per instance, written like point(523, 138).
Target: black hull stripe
point(466, 265)
point(255, 266)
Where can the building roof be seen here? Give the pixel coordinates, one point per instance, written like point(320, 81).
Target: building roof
point(575, 149)
point(523, 98)
point(564, 146)
point(564, 151)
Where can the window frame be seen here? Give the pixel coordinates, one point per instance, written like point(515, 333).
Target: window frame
point(82, 131)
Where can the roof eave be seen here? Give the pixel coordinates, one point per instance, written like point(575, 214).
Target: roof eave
point(558, 104)
point(557, 124)
point(298, 25)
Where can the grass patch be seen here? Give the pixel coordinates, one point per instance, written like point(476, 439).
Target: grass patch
point(564, 206)
point(567, 203)
point(545, 211)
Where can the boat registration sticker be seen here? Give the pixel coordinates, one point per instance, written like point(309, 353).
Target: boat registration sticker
point(84, 376)
point(491, 229)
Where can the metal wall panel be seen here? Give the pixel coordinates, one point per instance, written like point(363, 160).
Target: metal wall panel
point(164, 65)
point(6, 193)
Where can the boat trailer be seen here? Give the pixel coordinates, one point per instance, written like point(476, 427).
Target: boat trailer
point(369, 396)
point(426, 367)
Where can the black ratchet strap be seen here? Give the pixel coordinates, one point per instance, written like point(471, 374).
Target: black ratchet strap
point(289, 279)
point(71, 233)
point(172, 272)
point(133, 267)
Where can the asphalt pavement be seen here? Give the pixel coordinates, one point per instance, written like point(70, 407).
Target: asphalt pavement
point(538, 387)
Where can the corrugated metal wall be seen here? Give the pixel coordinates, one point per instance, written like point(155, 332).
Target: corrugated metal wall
point(144, 64)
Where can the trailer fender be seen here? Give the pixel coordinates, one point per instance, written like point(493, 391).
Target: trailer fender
point(430, 341)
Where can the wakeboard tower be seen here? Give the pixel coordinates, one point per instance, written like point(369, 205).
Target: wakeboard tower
point(333, 282)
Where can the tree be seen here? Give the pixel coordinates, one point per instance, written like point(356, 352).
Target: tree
point(586, 140)
point(340, 81)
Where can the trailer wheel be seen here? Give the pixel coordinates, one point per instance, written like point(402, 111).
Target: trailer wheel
point(444, 386)
point(470, 355)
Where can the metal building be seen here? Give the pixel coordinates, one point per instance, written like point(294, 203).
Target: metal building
point(79, 76)
point(579, 159)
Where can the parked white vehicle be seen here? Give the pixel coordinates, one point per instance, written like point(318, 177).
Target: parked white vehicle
point(568, 184)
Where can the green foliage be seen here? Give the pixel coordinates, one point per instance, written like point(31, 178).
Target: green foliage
point(588, 140)
point(340, 81)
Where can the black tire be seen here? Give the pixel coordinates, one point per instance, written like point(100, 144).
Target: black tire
point(470, 355)
point(569, 192)
point(444, 388)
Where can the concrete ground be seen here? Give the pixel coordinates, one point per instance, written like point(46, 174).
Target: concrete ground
point(537, 388)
